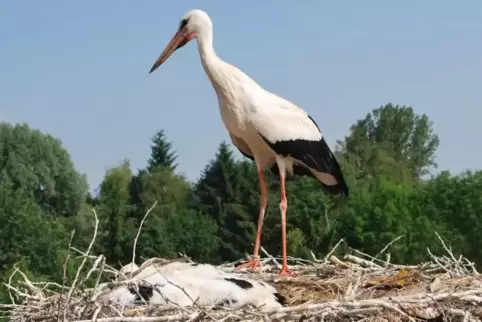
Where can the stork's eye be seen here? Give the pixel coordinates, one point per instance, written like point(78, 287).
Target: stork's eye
point(183, 24)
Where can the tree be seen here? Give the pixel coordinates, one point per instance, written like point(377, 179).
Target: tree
point(114, 209)
point(162, 154)
point(39, 165)
point(396, 134)
point(454, 203)
point(171, 226)
point(225, 193)
point(170, 191)
point(26, 233)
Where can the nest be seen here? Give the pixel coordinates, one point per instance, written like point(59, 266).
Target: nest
point(358, 287)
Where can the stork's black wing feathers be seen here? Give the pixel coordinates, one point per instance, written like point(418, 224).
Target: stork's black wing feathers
point(314, 154)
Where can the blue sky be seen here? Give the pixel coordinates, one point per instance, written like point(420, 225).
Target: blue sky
point(79, 70)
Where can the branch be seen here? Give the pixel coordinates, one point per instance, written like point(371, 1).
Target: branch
point(64, 271)
point(137, 237)
point(72, 287)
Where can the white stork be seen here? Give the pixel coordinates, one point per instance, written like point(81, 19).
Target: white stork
point(266, 128)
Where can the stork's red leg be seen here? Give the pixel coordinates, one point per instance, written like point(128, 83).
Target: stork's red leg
point(254, 262)
point(285, 271)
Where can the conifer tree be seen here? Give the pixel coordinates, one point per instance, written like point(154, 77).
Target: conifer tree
point(162, 153)
point(222, 193)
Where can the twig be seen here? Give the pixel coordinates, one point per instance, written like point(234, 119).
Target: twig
point(386, 247)
point(96, 313)
point(361, 261)
point(445, 247)
point(137, 236)
point(10, 282)
point(331, 251)
point(64, 271)
point(97, 280)
point(94, 267)
point(21, 293)
point(438, 262)
point(38, 292)
point(72, 287)
point(270, 257)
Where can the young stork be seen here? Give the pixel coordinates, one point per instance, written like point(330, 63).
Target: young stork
point(266, 128)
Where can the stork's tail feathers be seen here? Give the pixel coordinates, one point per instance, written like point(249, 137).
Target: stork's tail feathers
point(330, 175)
point(340, 188)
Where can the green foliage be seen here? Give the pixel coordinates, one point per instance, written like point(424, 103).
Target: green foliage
point(40, 165)
point(385, 156)
point(225, 193)
point(162, 154)
point(114, 207)
point(397, 135)
point(26, 233)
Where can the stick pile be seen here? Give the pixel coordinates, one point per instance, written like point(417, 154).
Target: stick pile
point(356, 288)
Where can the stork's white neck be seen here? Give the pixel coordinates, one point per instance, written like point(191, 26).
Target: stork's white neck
point(211, 62)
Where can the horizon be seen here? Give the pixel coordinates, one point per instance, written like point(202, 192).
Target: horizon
point(81, 74)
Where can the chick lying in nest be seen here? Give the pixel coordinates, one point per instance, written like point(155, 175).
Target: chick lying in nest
point(161, 281)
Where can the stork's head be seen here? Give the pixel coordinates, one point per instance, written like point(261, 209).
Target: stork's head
point(193, 24)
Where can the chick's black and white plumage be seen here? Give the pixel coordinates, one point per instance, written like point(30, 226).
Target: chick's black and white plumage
point(181, 283)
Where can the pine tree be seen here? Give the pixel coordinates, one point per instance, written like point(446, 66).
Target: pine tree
point(162, 153)
point(223, 194)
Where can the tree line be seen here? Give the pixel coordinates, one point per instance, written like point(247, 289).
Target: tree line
point(388, 159)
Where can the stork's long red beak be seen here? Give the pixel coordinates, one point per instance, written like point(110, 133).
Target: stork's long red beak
point(176, 42)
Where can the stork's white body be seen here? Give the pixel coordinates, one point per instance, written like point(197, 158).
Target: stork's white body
point(249, 111)
point(266, 128)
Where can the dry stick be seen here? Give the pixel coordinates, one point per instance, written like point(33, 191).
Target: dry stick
point(361, 261)
point(99, 275)
point(10, 282)
point(438, 263)
point(331, 251)
point(97, 311)
point(37, 291)
point(64, 271)
point(388, 260)
point(97, 280)
point(20, 292)
point(455, 261)
point(137, 237)
point(471, 265)
point(113, 308)
point(386, 247)
point(72, 287)
point(109, 269)
point(177, 317)
point(445, 247)
point(270, 257)
point(368, 256)
point(94, 267)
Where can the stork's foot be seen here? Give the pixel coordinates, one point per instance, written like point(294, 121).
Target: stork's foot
point(285, 271)
point(252, 263)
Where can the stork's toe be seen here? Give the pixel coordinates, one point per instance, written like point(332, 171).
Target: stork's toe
point(252, 263)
